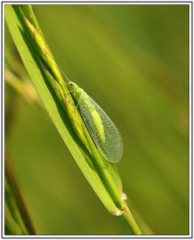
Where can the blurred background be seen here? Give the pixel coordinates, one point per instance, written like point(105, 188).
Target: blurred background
point(133, 61)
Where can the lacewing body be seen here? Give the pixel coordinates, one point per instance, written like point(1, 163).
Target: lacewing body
point(101, 128)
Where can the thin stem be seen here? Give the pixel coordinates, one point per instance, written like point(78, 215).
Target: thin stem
point(10, 111)
point(131, 221)
point(12, 179)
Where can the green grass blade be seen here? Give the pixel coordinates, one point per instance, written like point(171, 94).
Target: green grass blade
point(55, 110)
point(102, 175)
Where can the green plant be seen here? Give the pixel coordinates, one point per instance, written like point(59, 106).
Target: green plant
point(49, 83)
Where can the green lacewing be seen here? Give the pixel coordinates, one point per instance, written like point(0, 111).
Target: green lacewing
point(102, 130)
point(100, 127)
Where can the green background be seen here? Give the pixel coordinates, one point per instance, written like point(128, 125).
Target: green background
point(133, 61)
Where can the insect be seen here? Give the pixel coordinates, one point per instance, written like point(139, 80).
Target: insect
point(102, 130)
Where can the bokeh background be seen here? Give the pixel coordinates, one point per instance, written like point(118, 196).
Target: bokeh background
point(133, 61)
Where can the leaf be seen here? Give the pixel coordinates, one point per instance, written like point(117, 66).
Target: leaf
point(100, 181)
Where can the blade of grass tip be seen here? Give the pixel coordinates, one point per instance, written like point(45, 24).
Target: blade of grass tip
point(29, 12)
point(13, 182)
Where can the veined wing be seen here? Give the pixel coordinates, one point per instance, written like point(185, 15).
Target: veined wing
point(110, 146)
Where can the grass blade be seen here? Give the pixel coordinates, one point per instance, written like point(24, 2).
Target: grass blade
point(102, 175)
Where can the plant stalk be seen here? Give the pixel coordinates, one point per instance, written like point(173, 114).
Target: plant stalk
point(13, 182)
point(131, 221)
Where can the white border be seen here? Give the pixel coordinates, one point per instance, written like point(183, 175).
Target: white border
point(2, 123)
point(106, 2)
point(191, 146)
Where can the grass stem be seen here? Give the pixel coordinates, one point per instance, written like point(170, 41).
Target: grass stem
point(131, 221)
point(12, 179)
